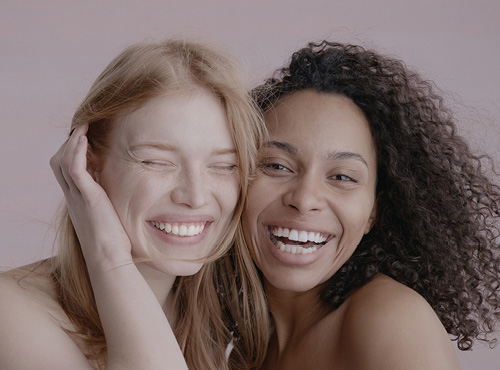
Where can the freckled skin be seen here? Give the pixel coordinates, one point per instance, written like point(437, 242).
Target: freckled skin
point(167, 173)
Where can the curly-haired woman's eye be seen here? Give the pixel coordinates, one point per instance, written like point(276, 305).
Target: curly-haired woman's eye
point(341, 177)
point(273, 168)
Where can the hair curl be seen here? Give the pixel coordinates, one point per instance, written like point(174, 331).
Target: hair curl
point(437, 227)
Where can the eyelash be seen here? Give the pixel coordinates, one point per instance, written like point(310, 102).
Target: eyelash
point(274, 166)
point(153, 163)
point(225, 168)
point(221, 168)
point(342, 177)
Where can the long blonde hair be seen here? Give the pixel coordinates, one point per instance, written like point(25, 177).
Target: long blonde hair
point(208, 306)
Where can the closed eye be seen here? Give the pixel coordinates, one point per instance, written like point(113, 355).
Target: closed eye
point(153, 162)
point(224, 168)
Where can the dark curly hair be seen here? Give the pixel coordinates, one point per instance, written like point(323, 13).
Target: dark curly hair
point(437, 227)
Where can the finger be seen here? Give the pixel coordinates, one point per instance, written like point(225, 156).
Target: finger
point(78, 170)
point(84, 182)
point(55, 164)
point(67, 157)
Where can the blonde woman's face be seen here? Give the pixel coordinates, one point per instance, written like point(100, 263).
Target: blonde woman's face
point(314, 196)
point(172, 176)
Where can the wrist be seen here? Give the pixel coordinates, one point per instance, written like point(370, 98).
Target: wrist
point(106, 259)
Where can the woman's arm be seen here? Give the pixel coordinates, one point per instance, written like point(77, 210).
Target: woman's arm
point(138, 334)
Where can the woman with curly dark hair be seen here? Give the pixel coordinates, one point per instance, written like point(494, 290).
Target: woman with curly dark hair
point(374, 226)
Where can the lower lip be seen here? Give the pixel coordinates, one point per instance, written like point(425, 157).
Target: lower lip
point(181, 240)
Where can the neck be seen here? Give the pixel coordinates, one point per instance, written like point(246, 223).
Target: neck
point(294, 314)
point(161, 285)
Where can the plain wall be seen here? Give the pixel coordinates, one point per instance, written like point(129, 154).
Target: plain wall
point(52, 50)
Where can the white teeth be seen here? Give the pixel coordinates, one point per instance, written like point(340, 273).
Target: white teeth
point(279, 231)
point(183, 230)
point(303, 236)
point(179, 229)
point(295, 249)
point(299, 235)
point(294, 235)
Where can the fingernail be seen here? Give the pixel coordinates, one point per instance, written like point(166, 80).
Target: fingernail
point(81, 138)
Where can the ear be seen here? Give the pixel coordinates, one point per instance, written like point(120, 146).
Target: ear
point(373, 217)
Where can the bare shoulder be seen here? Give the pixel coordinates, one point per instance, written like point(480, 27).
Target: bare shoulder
point(387, 325)
point(31, 323)
point(29, 287)
point(27, 281)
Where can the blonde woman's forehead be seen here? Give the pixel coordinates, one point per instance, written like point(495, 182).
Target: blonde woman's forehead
point(179, 119)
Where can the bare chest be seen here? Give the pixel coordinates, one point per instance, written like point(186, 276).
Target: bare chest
point(317, 349)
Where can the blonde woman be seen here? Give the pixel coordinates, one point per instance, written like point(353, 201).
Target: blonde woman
point(154, 175)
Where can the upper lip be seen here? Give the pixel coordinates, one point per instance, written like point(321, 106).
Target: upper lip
point(182, 219)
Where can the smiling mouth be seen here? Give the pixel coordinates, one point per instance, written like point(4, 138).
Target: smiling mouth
point(296, 241)
point(179, 229)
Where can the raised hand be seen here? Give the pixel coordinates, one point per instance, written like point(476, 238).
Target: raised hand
point(101, 234)
point(137, 335)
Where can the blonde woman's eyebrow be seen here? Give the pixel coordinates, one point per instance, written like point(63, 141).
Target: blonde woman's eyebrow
point(154, 145)
point(172, 148)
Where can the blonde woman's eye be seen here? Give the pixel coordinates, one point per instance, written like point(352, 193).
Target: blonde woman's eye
point(225, 167)
point(155, 163)
point(151, 162)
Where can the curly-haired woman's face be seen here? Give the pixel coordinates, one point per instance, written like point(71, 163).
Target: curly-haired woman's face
point(314, 196)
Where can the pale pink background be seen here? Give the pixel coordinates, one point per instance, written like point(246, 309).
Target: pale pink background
point(51, 50)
